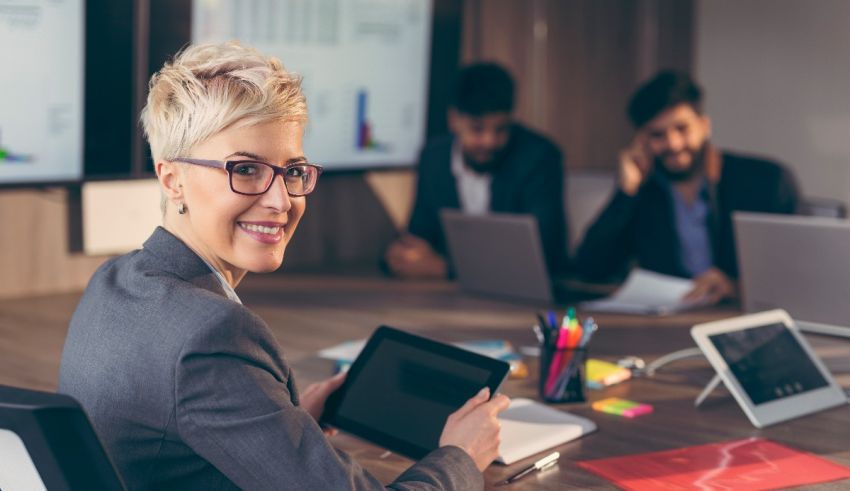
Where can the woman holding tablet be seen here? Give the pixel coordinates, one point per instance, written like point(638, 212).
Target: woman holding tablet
point(188, 388)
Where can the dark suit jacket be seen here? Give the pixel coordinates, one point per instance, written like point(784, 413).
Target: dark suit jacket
point(530, 179)
point(190, 390)
point(643, 227)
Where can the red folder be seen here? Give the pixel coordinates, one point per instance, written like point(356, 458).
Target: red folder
point(751, 464)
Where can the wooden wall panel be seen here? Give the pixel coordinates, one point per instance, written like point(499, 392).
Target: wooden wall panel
point(347, 225)
point(594, 52)
point(34, 254)
point(501, 31)
point(602, 70)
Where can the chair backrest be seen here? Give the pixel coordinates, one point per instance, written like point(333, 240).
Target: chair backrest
point(48, 442)
point(585, 194)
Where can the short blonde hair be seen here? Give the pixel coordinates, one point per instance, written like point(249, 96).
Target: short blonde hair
point(208, 88)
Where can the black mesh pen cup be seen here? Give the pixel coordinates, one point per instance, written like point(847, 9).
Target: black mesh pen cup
point(562, 374)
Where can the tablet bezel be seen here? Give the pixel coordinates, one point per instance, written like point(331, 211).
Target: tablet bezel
point(771, 412)
point(498, 371)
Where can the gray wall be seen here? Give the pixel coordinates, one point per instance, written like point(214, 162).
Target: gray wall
point(777, 78)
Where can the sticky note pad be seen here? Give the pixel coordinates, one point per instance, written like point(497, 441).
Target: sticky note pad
point(622, 407)
point(602, 373)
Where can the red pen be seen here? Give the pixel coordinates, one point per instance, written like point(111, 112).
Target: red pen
point(555, 362)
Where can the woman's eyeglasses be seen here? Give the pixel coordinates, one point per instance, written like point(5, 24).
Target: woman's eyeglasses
point(251, 177)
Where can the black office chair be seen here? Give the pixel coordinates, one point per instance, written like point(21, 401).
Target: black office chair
point(47, 442)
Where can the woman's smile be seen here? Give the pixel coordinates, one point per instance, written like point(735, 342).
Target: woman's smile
point(265, 232)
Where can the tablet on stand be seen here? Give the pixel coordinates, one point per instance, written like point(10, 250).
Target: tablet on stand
point(768, 367)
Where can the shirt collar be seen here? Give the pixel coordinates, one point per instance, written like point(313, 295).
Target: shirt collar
point(175, 256)
point(457, 159)
point(228, 290)
point(665, 183)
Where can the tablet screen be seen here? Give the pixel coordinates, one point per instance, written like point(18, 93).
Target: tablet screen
point(401, 389)
point(768, 362)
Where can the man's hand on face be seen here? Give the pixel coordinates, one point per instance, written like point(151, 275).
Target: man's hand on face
point(412, 257)
point(634, 166)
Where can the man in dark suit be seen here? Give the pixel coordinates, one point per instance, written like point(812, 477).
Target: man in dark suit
point(672, 209)
point(489, 162)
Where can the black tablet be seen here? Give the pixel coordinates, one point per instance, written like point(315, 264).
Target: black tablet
point(401, 389)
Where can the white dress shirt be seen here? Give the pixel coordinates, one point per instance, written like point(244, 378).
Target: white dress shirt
point(473, 188)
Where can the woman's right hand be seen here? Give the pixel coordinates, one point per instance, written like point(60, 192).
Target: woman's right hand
point(475, 427)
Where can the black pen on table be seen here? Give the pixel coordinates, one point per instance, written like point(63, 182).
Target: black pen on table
point(541, 464)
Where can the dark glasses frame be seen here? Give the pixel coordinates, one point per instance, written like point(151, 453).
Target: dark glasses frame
point(228, 165)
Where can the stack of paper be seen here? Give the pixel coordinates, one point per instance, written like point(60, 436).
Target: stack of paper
point(500, 350)
point(647, 292)
point(346, 351)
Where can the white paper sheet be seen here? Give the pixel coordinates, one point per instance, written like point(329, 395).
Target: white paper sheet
point(346, 351)
point(646, 292)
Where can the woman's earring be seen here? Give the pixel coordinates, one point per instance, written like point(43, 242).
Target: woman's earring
point(181, 208)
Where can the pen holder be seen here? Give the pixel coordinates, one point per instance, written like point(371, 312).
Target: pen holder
point(562, 374)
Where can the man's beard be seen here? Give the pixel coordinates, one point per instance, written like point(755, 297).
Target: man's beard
point(697, 166)
point(494, 162)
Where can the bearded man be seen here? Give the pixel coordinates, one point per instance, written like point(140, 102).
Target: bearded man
point(672, 209)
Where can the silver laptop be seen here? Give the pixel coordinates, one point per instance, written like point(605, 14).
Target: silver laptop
point(797, 263)
point(498, 254)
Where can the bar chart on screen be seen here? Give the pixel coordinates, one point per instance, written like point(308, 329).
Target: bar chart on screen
point(364, 65)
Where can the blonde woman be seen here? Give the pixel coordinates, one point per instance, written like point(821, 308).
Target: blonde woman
point(188, 388)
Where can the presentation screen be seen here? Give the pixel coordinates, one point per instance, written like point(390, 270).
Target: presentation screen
point(41, 91)
point(364, 65)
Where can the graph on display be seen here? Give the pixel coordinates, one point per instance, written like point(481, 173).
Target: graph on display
point(41, 101)
point(364, 65)
point(8, 156)
point(365, 132)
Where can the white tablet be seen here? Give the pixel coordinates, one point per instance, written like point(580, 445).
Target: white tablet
point(768, 366)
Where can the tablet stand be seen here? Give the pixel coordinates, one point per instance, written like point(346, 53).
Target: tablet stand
point(715, 381)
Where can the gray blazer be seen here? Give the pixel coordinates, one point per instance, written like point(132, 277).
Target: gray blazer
point(190, 390)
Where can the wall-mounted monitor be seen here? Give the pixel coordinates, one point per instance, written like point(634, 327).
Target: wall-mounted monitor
point(365, 67)
point(41, 91)
point(376, 75)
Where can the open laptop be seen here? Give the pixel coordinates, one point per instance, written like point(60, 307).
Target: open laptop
point(797, 263)
point(500, 254)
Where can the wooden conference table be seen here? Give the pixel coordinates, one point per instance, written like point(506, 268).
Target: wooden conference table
point(311, 312)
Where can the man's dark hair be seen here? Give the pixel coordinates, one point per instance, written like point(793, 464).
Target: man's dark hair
point(667, 89)
point(483, 88)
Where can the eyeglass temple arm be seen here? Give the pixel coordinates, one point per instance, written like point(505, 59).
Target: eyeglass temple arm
point(216, 164)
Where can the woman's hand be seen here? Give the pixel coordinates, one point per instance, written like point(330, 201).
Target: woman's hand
point(314, 397)
point(475, 427)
